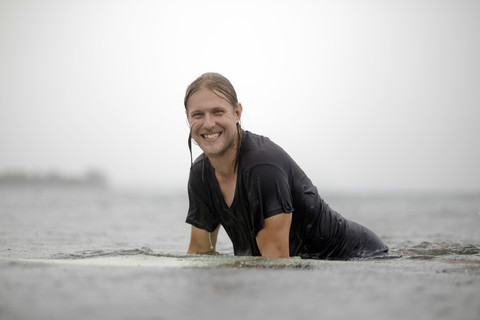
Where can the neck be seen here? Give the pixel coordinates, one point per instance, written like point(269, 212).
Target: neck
point(224, 165)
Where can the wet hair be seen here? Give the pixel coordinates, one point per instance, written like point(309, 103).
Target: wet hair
point(223, 88)
point(215, 82)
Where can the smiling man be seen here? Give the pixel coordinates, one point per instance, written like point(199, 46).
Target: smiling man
point(256, 191)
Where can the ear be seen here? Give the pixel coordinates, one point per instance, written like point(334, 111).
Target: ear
point(238, 112)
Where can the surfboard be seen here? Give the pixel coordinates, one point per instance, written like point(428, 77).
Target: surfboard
point(172, 261)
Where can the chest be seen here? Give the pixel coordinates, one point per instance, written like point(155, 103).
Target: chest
point(227, 187)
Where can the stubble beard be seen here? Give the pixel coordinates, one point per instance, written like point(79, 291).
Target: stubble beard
point(212, 154)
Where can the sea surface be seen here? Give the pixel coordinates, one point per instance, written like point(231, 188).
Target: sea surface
point(79, 253)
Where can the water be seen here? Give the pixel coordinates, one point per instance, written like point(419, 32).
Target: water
point(102, 254)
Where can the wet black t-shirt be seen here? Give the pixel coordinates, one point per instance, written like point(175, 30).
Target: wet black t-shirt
point(269, 182)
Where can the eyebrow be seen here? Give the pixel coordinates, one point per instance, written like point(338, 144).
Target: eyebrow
point(213, 109)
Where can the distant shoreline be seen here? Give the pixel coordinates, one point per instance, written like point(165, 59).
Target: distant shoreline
point(90, 179)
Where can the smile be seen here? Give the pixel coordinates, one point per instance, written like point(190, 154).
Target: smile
point(211, 136)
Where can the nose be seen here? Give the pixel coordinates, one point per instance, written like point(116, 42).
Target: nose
point(208, 122)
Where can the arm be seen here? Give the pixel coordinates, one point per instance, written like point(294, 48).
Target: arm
point(202, 241)
point(273, 239)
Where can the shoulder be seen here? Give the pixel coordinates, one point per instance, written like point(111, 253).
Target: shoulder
point(251, 139)
point(199, 162)
point(199, 169)
point(259, 150)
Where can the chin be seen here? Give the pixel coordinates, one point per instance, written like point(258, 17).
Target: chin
point(214, 152)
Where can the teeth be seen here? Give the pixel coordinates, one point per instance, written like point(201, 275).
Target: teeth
point(211, 136)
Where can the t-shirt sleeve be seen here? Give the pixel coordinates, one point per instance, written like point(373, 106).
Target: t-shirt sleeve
point(268, 193)
point(200, 214)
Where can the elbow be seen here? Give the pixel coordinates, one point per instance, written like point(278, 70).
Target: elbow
point(275, 253)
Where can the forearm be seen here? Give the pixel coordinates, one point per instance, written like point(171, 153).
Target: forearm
point(202, 241)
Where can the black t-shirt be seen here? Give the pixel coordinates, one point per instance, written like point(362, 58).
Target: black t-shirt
point(269, 182)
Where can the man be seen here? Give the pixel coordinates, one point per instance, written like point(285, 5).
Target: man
point(250, 186)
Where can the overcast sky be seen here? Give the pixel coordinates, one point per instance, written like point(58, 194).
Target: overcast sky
point(364, 95)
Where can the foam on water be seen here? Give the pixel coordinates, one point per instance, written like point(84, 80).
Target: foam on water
point(442, 249)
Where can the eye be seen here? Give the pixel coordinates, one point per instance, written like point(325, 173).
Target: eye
point(196, 115)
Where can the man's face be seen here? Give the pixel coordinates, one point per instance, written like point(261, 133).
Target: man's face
point(213, 122)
